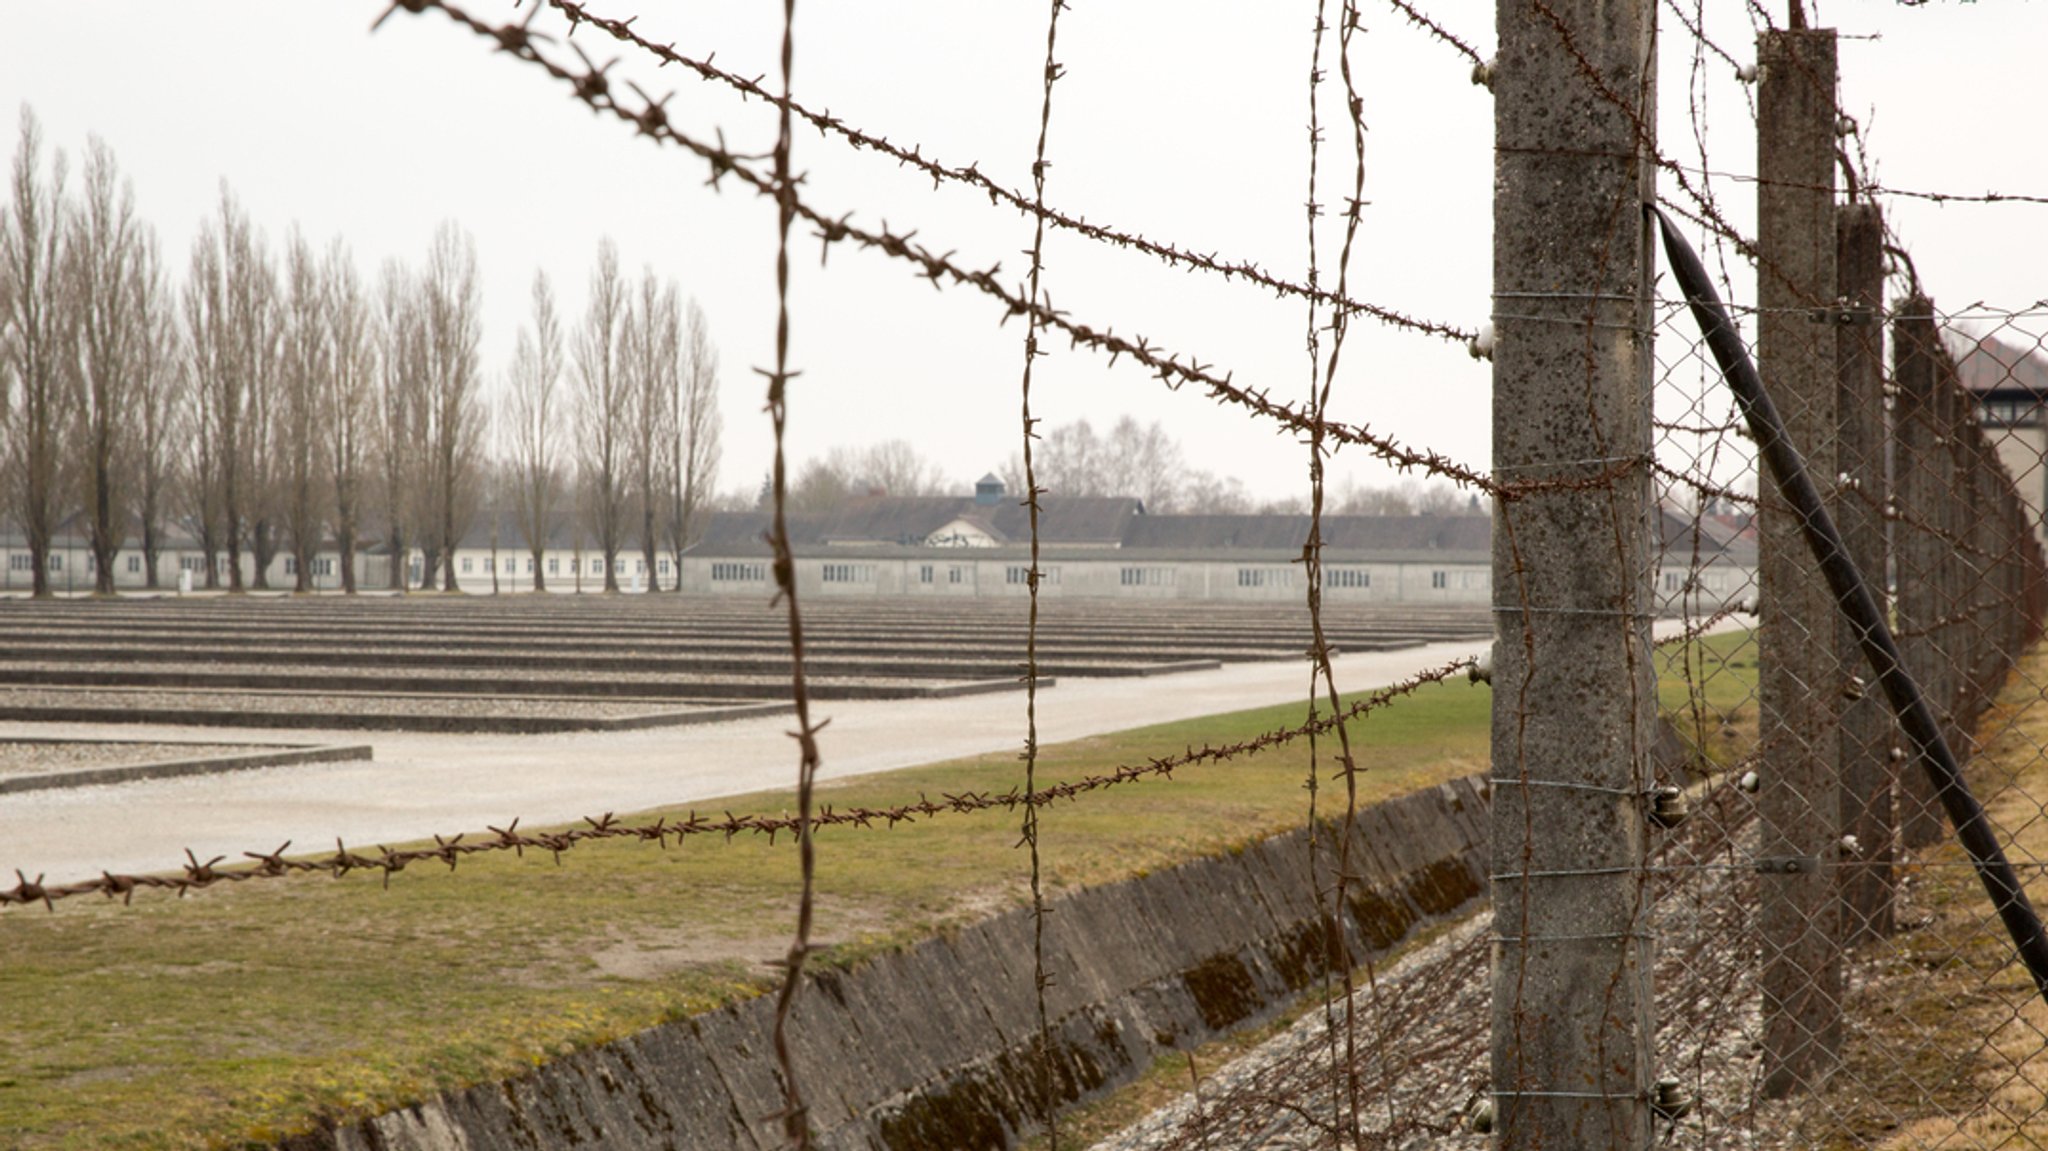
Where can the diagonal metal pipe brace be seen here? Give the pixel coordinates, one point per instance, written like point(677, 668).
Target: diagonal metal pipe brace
point(1852, 595)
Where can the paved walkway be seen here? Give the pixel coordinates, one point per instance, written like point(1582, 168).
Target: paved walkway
point(422, 784)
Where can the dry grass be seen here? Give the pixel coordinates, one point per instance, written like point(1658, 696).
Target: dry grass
point(1956, 1048)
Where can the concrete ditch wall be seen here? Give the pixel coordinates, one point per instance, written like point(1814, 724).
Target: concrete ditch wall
point(935, 1047)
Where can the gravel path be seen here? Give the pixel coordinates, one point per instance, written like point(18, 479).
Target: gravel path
point(422, 783)
point(43, 757)
point(332, 703)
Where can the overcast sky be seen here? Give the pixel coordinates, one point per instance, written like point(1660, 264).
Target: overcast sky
point(1181, 119)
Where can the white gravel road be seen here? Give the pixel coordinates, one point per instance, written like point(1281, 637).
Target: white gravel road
point(423, 784)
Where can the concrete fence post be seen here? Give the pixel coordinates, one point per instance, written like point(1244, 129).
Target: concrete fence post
point(1867, 770)
point(1920, 474)
point(1573, 563)
point(1801, 676)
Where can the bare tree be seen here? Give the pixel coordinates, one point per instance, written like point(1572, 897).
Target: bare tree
point(1404, 499)
point(161, 397)
point(350, 399)
point(1206, 493)
point(695, 443)
point(603, 406)
point(890, 468)
point(229, 301)
point(536, 407)
point(206, 470)
point(253, 307)
point(104, 289)
point(1134, 459)
point(654, 348)
point(401, 388)
point(302, 387)
point(34, 335)
point(896, 468)
point(450, 304)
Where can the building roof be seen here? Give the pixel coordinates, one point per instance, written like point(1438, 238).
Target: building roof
point(1288, 533)
point(1995, 363)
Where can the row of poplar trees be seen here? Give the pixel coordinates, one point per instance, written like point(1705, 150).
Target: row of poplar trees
point(279, 405)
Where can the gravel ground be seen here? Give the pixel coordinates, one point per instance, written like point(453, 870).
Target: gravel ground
point(42, 757)
point(332, 703)
point(1422, 1034)
point(372, 676)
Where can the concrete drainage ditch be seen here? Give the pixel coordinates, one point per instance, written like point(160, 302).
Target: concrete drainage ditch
point(936, 1047)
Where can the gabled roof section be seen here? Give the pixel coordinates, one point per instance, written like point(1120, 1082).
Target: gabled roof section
point(1416, 533)
point(1995, 363)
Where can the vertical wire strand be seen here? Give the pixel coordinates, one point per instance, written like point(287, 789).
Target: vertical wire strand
point(795, 1117)
point(1335, 954)
point(1312, 555)
point(1048, 1078)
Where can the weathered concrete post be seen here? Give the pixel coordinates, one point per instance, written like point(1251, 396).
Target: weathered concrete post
point(1952, 580)
point(1868, 772)
point(1801, 674)
point(1574, 697)
point(1920, 471)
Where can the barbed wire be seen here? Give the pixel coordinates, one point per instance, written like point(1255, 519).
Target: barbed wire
point(592, 87)
point(1030, 205)
point(1047, 1072)
point(1438, 32)
point(796, 1124)
point(450, 850)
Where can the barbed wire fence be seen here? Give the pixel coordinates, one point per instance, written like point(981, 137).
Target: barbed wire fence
point(1770, 940)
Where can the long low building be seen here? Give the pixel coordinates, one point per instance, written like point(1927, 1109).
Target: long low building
point(979, 546)
point(1110, 548)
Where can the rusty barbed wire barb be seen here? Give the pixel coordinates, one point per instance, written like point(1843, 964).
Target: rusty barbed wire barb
point(1437, 31)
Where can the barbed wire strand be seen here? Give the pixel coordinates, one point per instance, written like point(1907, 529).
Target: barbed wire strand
point(796, 1124)
point(590, 86)
point(1048, 1080)
point(450, 850)
point(971, 176)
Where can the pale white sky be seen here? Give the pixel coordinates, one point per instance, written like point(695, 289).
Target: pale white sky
point(1181, 119)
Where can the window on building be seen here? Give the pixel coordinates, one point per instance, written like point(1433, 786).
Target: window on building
point(134, 565)
point(1145, 577)
point(956, 575)
point(323, 566)
point(849, 573)
point(1439, 579)
point(663, 567)
point(1672, 581)
point(924, 573)
point(56, 562)
point(1347, 577)
point(186, 563)
point(1265, 577)
point(20, 562)
point(291, 565)
point(596, 565)
point(466, 565)
point(739, 572)
point(554, 565)
point(640, 566)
